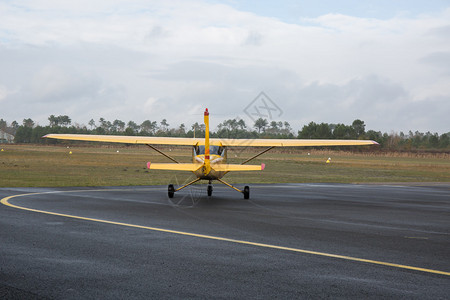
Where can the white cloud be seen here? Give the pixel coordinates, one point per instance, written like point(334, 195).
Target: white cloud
point(3, 92)
point(56, 83)
point(137, 60)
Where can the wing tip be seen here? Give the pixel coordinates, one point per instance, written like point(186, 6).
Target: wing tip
point(263, 166)
point(148, 165)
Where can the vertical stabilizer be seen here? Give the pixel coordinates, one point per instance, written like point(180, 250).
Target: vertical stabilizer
point(207, 159)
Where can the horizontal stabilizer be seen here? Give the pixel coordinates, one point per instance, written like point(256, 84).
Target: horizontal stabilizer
point(174, 167)
point(233, 167)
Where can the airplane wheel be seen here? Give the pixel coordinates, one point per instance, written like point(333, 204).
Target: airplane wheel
point(210, 189)
point(171, 190)
point(246, 192)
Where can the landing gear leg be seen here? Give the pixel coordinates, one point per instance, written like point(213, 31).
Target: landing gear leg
point(245, 191)
point(172, 190)
point(210, 189)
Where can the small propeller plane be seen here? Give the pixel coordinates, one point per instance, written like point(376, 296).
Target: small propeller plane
point(209, 156)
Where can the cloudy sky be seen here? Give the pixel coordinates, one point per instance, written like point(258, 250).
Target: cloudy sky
point(385, 62)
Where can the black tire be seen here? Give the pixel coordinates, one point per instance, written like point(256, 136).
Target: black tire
point(171, 190)
point(210, 189)
point(246, 192)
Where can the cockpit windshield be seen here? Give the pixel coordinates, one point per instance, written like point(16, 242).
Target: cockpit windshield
point(213, 150)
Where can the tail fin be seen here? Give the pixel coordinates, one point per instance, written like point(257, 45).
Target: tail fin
point(207, 160)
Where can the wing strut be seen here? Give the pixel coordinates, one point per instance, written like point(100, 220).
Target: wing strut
point(261, 153)
point(221, 181)
point(188, 184)
point(162, 153)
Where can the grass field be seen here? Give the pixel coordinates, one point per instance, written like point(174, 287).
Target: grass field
point(53, 166)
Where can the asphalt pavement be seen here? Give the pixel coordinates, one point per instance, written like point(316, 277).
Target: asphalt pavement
point(287, 241)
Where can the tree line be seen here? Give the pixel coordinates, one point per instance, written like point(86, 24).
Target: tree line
point(29, 132)
point(392, 141)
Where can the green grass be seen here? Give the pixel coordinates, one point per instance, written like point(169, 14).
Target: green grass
point(53, 166)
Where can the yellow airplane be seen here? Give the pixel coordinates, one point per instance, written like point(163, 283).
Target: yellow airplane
point(209, 156)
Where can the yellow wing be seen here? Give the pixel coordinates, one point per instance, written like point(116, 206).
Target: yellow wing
point(200, 141)
point(291, 142)
point(127, 139)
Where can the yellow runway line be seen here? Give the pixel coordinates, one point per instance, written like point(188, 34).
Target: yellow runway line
point(5, 201)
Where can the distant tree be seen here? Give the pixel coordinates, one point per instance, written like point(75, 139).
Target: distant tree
point(149, 126)
point(195, 126)
point(274, 126)
point(391, 141)
point(323, 131)
point(100, 130)
point(64, 120)
point(181, 130)
point(61, 120)
point(119, 125)
point(232, 124)
point(164, 125)
point(133, 127)
point(315, 131)
point(241, 124)
point(232, 128)
point(92, 123)
point(417, 138)
point(359, 127)
point(106, 125)
point(342, 131)
point(3, 124)
point(29, 132)
point(287, 126)
point(227, 125)
point(145, 126)
point(308, 131)
point(433, 140)
point(129, 131)
point(53, 121)
point(444, 140)
point(260, 124)
point(374, 135)
point(28, 123)
point(23, 134)
point(196, 130)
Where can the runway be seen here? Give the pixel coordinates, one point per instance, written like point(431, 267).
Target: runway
point(288, 240)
